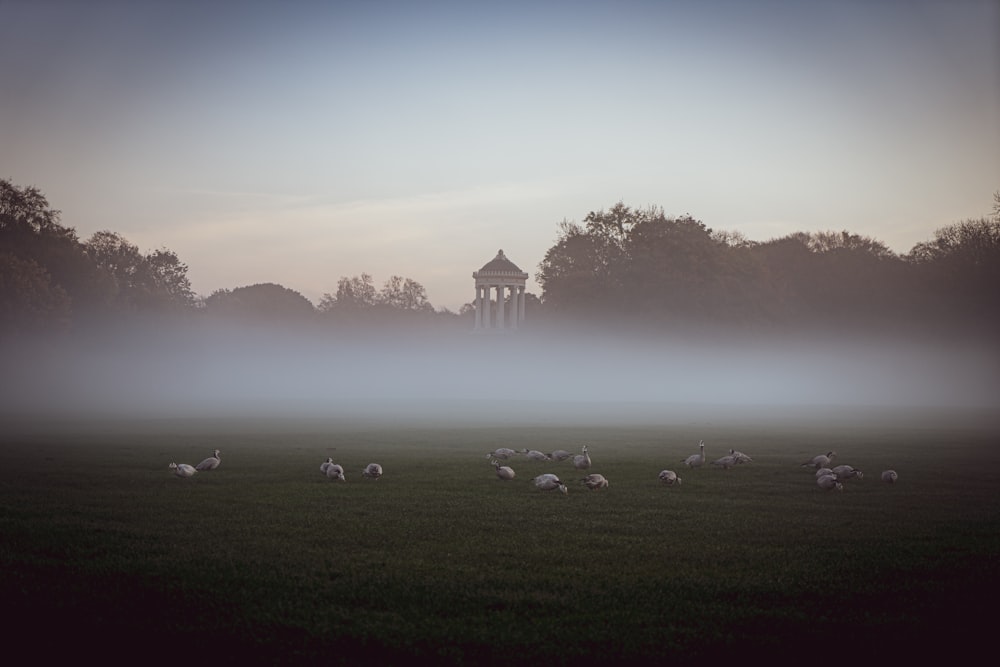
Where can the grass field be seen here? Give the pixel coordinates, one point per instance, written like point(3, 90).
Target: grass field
point(266, 561)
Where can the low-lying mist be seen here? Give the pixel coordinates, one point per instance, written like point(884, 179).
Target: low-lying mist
point(232, 371)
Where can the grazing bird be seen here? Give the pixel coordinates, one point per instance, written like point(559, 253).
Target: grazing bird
point(846, 472)
point(211, 463)
point(502, 453)
point(503, 472)
point(335, 471)
point(182, 469)
point(560, 455)
point(821, 461)
point(550, 482)
point(669, 477)
point(889, 476)
point(823, 471)
point(582, 461)
point(726, 462)
point(372, 471)
point(740, 457)
point(326, 464)
point(536, 455)
point(829, 483)
point(595, 482)
point(696, 460)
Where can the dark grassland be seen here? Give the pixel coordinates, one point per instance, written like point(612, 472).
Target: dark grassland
point(266, 561)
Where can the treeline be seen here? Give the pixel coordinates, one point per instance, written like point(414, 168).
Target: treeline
point(629, 267)
point(51, 280)
point(643, 267)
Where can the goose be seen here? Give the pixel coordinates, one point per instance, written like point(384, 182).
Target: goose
point(696, 460)
point(211, 463)
point(582, 461)
point(550, 482)
point(889, 476)
point(503, 472)
point(560, 455)
point(726, 462)
point(669, 477)
point(846, 472)
point(335, 471)
point(536, 455)
point(595, 482)
point(503, 453)
point(326, 464)
point(182, 469)
point(740, 457)
point(829, 483)
point(372, 471)
point(821, 461)
point(823, 471)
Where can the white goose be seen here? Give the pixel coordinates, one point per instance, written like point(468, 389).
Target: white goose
point(335, 471)
point(846, 472)
point(211, 463)
point(182, 469)
point(536, 455)
point(726, 462)
point(560, 455)
point(372, 471)
point(502, 453)
point(889, 476)
point(740, 456)
point(669, 477)
point(550, 482)
point(821, 461)
point(503, 472)
point(696, 460)
point(829, 483)
point(582, 461)
point(595, 482)
point(326, 464)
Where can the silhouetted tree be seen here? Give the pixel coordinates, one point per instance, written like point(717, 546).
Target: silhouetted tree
point(352, 293)
point(836, 279)
point(641, 265)
point(263, 302)
point(960, 270)
point(26, 211)
point(31, 231)
point(154, 281)
point(401, 301)
point(404, 294)
point(29, 301)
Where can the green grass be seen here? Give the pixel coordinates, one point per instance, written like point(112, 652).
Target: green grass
point(266, 560)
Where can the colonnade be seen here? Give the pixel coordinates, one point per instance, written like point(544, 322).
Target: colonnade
point(505, 313)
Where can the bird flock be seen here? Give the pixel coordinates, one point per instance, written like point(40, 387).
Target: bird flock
point(827, 478)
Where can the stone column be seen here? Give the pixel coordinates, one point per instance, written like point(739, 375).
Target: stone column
point(487, 314)
point(520, 303)
point(500, 318)
point(479, 307)
point(514, 308)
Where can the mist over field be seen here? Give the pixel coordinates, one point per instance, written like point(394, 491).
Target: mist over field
point(218, 371)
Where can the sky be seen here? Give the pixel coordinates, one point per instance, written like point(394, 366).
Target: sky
point(301, 142)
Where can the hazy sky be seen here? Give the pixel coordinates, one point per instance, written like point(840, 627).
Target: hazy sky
point(299, 142)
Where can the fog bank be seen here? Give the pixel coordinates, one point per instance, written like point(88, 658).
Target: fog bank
point(229, 371)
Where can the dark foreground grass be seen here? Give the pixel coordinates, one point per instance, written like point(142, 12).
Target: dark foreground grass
point(266, 561)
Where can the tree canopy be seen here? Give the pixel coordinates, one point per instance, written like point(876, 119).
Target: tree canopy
point(641, 266)
point(266, 302)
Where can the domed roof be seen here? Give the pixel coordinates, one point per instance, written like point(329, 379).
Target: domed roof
point(500, 266)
